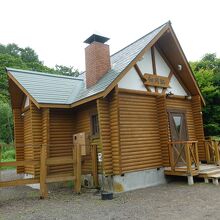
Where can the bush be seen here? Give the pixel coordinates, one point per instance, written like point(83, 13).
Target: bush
point(7, 152)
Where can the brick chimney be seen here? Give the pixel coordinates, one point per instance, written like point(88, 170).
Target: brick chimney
point(97, 57)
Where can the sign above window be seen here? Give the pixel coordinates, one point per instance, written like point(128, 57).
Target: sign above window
point(155, 80)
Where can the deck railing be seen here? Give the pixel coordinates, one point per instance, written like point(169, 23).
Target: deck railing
point(184, 154)
point(212, 148)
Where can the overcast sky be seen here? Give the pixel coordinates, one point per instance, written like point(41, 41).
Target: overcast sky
point(56, 29)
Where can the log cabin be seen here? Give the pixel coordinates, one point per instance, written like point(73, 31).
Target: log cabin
point(141, 107)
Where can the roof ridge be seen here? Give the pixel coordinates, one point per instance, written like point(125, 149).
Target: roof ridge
point(43, 73)
point(168, 22)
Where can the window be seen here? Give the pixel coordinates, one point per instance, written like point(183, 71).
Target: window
point(95, 125)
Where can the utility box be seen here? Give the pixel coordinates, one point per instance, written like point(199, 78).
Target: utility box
point(83, 140)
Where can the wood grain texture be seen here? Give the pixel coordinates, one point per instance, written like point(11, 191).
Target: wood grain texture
point(197, 116)
point(105, 134)
point(183, 104)
point(19, 137)
point(163, 128)
point(28, 142)
point(139, 132)
point(61, 130)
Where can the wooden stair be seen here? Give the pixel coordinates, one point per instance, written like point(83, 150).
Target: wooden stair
point(212, 174)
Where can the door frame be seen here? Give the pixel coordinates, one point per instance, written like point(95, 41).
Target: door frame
point(181, 111)
point(178, 147)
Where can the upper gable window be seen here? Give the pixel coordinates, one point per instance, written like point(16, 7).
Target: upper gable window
point(27, 102)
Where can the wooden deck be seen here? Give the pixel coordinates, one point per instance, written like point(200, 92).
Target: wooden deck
point(206, 171)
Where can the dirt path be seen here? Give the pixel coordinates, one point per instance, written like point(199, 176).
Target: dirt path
point(176, 200)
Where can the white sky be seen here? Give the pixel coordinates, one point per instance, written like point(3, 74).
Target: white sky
point(56, 29)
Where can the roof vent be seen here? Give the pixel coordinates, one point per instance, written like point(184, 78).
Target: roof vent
point(96, 38)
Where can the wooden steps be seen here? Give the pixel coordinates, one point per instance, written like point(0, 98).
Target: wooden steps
point(206, 171)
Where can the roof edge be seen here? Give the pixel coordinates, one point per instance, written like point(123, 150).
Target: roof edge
point(42, 73)
point(23, 89)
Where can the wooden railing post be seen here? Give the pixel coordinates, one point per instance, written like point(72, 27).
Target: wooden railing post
point(78, 169)
point(216, 152)
point(188, 159)
point(208, 158)
point(43, 172)
point(171, 156)
point(94, 165)
point(197, 155)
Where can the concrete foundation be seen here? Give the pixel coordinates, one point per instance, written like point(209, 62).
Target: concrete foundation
point(138, 180)
point(127, 182)
point(190, 180)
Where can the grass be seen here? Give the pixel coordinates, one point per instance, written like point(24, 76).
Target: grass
point(7, 155)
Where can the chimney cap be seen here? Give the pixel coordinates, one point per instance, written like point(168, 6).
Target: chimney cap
point(96, 38)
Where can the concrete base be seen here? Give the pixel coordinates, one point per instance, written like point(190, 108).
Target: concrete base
point(138, 180)
point(215, 181)
point(190, 180)
point(129, 181)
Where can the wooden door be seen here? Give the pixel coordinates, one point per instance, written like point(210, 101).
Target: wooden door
point(178, 132)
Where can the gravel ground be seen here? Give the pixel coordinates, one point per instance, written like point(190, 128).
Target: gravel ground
point(175, 200)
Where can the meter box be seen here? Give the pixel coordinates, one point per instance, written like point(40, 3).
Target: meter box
point(83, 140)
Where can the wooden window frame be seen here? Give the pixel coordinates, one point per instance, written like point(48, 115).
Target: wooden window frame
point(91, 115)
point(24, 109)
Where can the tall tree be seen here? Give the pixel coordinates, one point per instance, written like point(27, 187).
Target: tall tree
point(207, 72)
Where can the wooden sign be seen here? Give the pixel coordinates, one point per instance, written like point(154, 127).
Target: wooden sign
point(154, 80)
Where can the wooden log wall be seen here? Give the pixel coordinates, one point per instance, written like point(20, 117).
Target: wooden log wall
point(61, 129)
point(46, 130)
point(36, 123)
point(105, 134)
point(19, 137)
point(183, 104)
point(162, 118)
point(139, 132)
point(83, 124)
point(28, 143)
point(197, 116)
point(115, 135)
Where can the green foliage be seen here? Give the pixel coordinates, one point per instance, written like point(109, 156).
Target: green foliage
point(7, 154)
point(6, 122)
point(68, 71)
point(207, 73)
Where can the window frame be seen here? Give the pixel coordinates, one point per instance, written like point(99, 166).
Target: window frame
point(97, 134)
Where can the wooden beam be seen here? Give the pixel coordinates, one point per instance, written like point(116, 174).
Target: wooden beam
point(131, 91)
point(59, 160)
point(78, 169)
point(23, 89)
point(173, 72)
point(138, 57)
point(43, 172)
point(153, 61)
point(141, 76)
point(19, 163)
point(19, 182)
point(61, 178)
point(94, 165)
point(186, 62)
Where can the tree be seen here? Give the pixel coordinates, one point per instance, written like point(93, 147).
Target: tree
point(207, 73)
point(67, 71)
point(6, 123)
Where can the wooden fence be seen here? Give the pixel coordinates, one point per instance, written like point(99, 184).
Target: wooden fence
point(184, 156)
point(44, 178)
point(212, 149)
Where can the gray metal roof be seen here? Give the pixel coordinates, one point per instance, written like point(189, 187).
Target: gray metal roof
point(57, 89)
